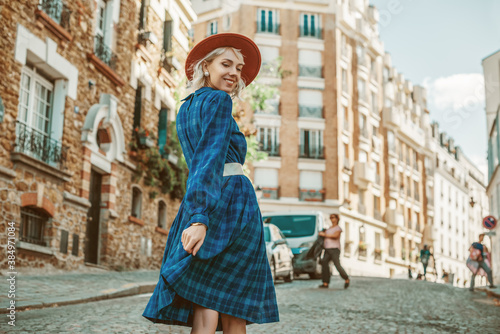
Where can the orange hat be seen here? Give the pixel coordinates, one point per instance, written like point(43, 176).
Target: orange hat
point(247, 47)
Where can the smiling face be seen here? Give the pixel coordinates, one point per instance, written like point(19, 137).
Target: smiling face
point(224, 71)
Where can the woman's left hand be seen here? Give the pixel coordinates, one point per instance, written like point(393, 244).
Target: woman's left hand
point(192, 238)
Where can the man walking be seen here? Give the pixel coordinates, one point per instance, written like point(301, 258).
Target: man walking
point(425, 254)
point(332, 252)
point(479, 254)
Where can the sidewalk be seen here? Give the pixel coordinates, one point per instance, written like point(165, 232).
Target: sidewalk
point(490, 292)
point(46, 290)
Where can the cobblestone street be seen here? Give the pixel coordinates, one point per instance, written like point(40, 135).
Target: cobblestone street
point(370, 305)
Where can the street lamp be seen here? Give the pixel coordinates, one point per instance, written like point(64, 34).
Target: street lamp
point(472, 202)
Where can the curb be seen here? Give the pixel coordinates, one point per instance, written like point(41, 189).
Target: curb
point(489, 292)
point(127, 292)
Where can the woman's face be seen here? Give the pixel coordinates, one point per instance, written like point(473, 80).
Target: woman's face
point(224, 71)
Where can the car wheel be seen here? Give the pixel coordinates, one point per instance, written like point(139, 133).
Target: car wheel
point(317, 273)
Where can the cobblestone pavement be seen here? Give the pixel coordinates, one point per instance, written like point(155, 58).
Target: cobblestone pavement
point(370, 305)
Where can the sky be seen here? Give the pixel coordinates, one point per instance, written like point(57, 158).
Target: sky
point(439, 44)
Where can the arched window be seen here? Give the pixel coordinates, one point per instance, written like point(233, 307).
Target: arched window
point(136, 202)
point(162, 215)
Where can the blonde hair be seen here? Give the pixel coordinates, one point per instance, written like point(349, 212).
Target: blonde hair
point(199, 80)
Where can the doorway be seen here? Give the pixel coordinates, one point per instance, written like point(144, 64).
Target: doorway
point(93, 219)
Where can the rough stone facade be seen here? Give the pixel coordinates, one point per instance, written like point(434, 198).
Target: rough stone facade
point(91, 117)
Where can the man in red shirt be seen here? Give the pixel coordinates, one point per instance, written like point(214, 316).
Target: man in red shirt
point(331, 245)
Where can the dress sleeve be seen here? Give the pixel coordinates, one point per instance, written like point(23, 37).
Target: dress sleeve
point(207, 166)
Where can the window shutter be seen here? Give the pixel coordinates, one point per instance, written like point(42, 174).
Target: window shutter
point(270, 22)
point(138, 107)
point(162, 130)
point(313, 26)
point(167, 36)
point(306, 27)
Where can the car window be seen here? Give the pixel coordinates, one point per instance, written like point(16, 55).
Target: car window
point(267, 234)
point(294, 226)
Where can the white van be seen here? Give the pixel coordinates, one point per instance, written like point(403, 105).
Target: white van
point(301, 230)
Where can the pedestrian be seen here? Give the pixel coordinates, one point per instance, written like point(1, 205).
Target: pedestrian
point(410, 274)
point(215, 274)
point(331, 244)
point(478, 262)
point(425, 254)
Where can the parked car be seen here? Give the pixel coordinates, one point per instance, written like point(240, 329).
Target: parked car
point(301, 230)
point(279, 253)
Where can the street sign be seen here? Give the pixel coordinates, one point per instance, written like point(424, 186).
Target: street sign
point(489, 222)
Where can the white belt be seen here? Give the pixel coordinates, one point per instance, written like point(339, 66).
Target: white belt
point(233, 168)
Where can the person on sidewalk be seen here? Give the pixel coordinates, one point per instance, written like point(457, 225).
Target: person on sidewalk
point(478, 262)
point(332, 252)
point(425, 255)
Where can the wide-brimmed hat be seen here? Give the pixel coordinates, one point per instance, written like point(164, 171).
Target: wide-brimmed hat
point(247, 47)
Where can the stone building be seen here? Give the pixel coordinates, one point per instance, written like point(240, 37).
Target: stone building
point(88, 85)
point(345, 133)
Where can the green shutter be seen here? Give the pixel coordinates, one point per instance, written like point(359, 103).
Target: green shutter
point(167, 36)
point(162, 130)
point(138, 107)
point(2, 110)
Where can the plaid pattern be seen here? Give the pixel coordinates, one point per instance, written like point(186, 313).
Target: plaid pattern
point(230, 273)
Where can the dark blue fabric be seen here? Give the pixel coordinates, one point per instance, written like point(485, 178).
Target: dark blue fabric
point(230, 273)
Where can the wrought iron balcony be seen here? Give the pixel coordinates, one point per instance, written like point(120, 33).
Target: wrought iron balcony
point(263, 27)
point(57, 11)
point(311, 152)
point(312, 195)
point(306, 31)
point(104, 53)
point(39, 146)
point(310, 111)
point(311, 71)
point(271, 150)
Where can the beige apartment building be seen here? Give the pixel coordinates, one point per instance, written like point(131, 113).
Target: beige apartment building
point(345, 133)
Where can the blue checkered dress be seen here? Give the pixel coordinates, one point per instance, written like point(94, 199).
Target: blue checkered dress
point(230, 273)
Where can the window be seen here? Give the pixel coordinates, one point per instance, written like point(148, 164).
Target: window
point(32, 228)
point(311, 186)
point(267, 179)
point(34, 130)
point(391, 142)
point(346, 152)
point(269, 140)
point(345, 87)
point(362, 156)
point(212, 28)
point(267, 21)
point(360, 53)
point(167, 35)
point(136, 203)
point(310, 64)
point(310, 103)
point(104, 33)
point(374, 104)
point(310, 26)
point(343, 46)
point(361, 89)
point(138, 107)
point(311, 144)
point(162, 215)
point(162, 130)
point(363, 127)
point(346, 191)
point(373, 70)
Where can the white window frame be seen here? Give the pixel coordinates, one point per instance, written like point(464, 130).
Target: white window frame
point(317, 25)
point(212, 27)
point(315, 139)
point(31, 116)
point(274, 22)
point(101, 9)
point(266, 132)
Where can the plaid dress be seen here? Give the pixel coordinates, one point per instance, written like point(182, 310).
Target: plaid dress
point(230, 273)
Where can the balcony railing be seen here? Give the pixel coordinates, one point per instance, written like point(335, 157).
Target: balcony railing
point(310, 111)
point(270, 193)
point(268, 28)
point(104, 53)
point(39, 146)
point(311, 152)
point(306, 31)
point(311, 195)
point(57, 11)
point(271, 150)
point(311, 71)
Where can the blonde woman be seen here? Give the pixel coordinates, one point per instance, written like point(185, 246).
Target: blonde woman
point(215, 274)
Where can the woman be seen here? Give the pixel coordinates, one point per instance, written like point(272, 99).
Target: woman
point(215, 274)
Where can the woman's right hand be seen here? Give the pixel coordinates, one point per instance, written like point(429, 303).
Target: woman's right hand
point(192, 238)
